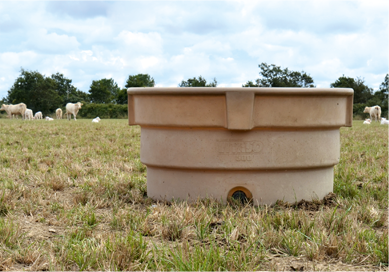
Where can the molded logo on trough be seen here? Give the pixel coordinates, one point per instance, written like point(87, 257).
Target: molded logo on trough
point(234, 147)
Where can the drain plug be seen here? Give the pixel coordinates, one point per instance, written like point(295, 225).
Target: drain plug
point(240, 194)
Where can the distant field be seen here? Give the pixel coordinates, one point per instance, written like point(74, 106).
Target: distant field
point(73, 197)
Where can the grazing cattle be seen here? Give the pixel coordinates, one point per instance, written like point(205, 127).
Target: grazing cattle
point(374, 111)
point(72, 109)
point(28, 114)
point(384, 121)
point(19, 109)
point(96, 120)
point(58, 112)
point(367, 122)
point(38, 115)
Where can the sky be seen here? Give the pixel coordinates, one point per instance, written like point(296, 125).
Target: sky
point(177, 40)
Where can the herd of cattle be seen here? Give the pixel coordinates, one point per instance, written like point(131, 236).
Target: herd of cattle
point(374, 112)
point(21, 109)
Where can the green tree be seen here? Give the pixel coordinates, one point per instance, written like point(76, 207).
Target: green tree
point(274, 76)
point(67, 91)
point(200, 82)
point(362, 93)
point(77, 96)
point(36, 91)
point(122, 97)
point(63, 85)
point(139, 80)
point(103, 91)
point(381, 96)
point(384, 88)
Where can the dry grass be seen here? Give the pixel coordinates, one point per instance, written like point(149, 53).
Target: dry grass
point(73, 197)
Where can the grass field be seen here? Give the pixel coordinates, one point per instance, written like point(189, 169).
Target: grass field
point(73, 197)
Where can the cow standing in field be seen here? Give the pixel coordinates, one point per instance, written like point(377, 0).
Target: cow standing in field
point(38, 115)
point(58, 113)
point(375, 112)
point(19, 109)
point(72, 109)
point(28, 115)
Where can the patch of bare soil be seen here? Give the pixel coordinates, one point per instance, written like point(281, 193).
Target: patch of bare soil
point(278, 262)
point(314, 205)
point(36, 231)
point(383, 223)
point(294, 264)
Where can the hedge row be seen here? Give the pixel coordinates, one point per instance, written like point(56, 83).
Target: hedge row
point(104, 111)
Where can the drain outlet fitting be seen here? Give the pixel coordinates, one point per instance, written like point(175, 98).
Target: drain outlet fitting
point(240, 194)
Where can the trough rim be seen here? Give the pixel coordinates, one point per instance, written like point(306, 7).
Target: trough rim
point(256, 90)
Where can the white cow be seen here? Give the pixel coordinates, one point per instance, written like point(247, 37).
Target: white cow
point(367, 122)
point(38, 115)
point(58, 113)
point(96, 120)
point(384, 121)
point(19, 109)
point(72, 109)
point(49, 118)
point(28, 114)
point(374, 111)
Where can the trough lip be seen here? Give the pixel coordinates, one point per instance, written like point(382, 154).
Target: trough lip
point(256, 90)
point(243, 169)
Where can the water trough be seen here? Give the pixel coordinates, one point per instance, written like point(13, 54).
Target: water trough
point(263, 144)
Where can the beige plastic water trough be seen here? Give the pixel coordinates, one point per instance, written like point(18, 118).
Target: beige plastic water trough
point(264, 144)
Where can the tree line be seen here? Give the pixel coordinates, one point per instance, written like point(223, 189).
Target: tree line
point(46, 94)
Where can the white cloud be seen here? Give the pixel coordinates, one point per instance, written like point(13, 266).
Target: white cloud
point(141, 43)
point(174, 41)
point(13, 59)
point(10, 64)
point(50, 43)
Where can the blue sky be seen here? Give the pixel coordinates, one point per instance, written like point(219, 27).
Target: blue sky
point(177, 40)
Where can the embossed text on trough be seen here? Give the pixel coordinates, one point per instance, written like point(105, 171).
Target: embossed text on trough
point(234, 147)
